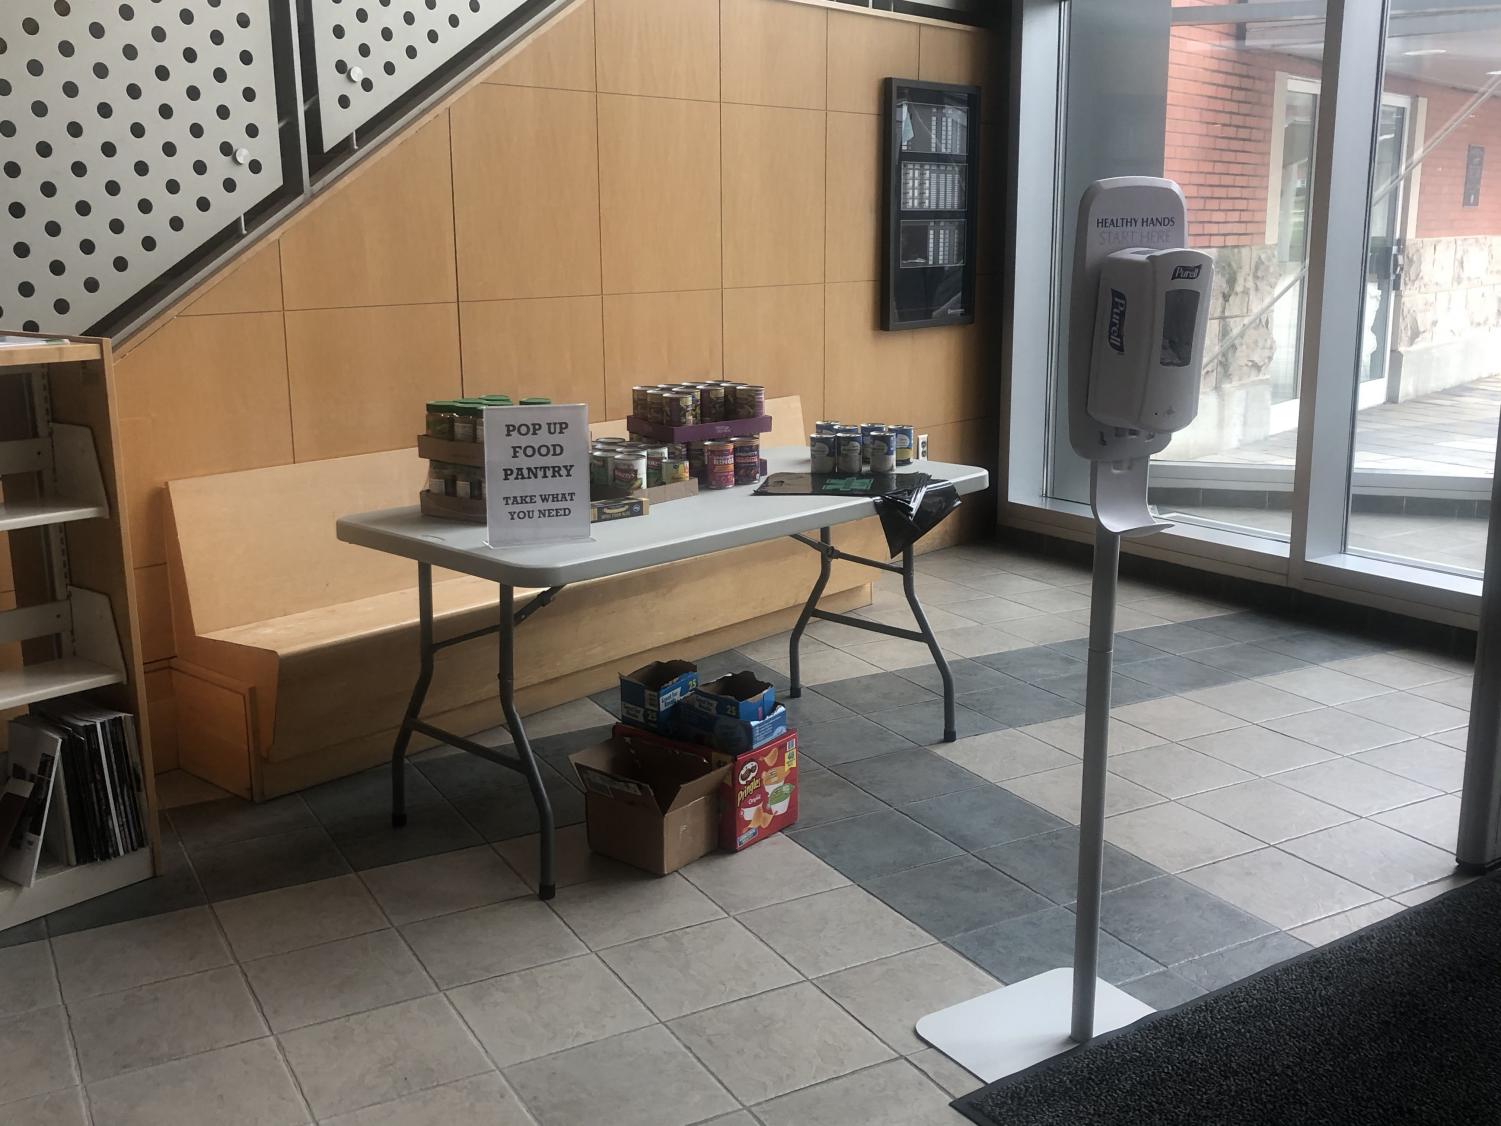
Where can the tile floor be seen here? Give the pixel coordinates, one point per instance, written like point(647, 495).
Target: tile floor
point(1273, 787)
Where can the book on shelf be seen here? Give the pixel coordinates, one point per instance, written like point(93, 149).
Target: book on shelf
point(86, 799)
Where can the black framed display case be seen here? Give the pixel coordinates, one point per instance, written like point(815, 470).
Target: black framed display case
point(931, 151)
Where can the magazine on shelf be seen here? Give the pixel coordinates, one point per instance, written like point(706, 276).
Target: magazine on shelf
point(34, 749)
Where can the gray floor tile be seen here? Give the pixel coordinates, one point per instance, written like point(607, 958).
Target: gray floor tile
point(874, 844)
point(1171, 921)
point(848, 740)
point(608, 912)
point(367, 792)
point(955, 895)
point(979, 817)
point(866, 694)
point(893, 1094)
point(229, 871)
point(555, 749)
point(1020, 705)
point(176, 889)
point(1320, 647)
point(466, 946)
point(548, 1009)
point(1178, 637)
point(1248, 659)
point(1039, 662)
point(778, 1042)
point(437, 885)
point(924, 723)
point(428, 832)
point(1174, 837)
point(1266, 810)
point(969, 676)
point(152, 1024)
point(34, 931)
point(1162, 990)
point(1178, 674)
point(1176, 771)
point(826, 797)
point(1422, 760)
point(235, 819)
point(1374, 856)
point(609, 699)
point(775, 869)
point(1049, 864)
point(1074, 686)
point(57, 1108)
point(1278, 887)
point(908, 775)
point(890, 995)
point(1248, 625)
point(513, 813)
point(1435, 821)
point(351, 975)
point(819, 934)
point(684, 971)
point(642, 1078)
point(1125, 652)
point(125, 955)
point(1034, 943)
point(945, 1072)
point(483, 1098)
point(814, 707)
point(1259, 751)
point(1355, 786)
point(38, 1057)
point(290, 918)
point(26, 978)
point(1219, 969)
point(251, 1078)
point(374, 1057)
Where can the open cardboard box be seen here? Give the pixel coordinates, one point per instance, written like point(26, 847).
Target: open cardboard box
point(649, 805)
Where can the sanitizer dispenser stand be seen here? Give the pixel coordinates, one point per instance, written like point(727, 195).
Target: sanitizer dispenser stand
point(1136, 339)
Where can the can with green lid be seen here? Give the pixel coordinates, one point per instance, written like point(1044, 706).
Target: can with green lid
point(440, 419)
point(468, 420)
point(536, 401)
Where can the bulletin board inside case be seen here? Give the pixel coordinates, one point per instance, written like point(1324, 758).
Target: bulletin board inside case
point(932, 152)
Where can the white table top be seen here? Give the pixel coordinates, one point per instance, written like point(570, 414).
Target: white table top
point(682, 529)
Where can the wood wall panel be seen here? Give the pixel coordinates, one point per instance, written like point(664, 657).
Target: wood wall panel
point(659, 337)
point(773, 53)
point(154, 612)
point(853, 229)
point(952, 54)
point(252, 286)
point(947, 381)
point(559, 56)
point(773, 195)
point(867, 371)
point(862, 52)
point(360, 377)
point(384, 237)
point(659, 48)
point(659, 194)
point(773, 335)
point(551, 346)
point(526, 193)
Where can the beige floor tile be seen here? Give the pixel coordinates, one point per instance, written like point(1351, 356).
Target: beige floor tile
point(837, 634)
point(1409, 712)
point(573, 862)
point(143, 950)
point(486, 941)
point(335, 979)
point(1268, 811)
point(991, 609)
point(775, 647)
point(437, 885)
point(548, 1009)
point(1331, 927)
point(1067, 734)
point(778, 1042)
point(1435, 820)
point(1259, 751)
point(894, 1094)
point(1175, 771)
point(1339, 731)
point(642, 1078)
point(249, 1078)
point(1251, 700)
point(890, 995)
point(777, 869)
point(698, 967)
point(385, 1054)
point(1176, 718)
point(1459, 738)
point(834, 930)
point(1424, 892)
point(945, 1072)
point(481, 1099)
point(59, 1108)
point(1323, 685)
point(1174, 837)
point(1356, 786)
point(821, 666)
point(978, 640)
point(1005, 754)
point(1376, 857)
point(152, 1024)
point(1457, 692)
point(893, 653)
point(607, 912)
point(739, 1118)
point(1058, 791)
point(38, 1057)
point(1045, 629)
point(273, 922)
point(26, 978)
point(1391, 670)
point(931, 590)
point(1181, 608)
point(1279, 888)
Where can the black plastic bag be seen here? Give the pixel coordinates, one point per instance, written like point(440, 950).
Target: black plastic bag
point(909, 513)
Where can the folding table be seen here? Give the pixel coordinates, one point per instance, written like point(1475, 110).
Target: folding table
point(683, 529)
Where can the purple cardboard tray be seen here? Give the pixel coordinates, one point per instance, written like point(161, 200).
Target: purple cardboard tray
point(703, 432)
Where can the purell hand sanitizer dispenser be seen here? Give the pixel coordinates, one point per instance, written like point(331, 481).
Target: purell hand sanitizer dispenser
point(1139, 308)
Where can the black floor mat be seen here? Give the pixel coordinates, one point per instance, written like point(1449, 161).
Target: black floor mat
point(1397, 1023)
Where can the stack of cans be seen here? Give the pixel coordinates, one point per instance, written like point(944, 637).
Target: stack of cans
point(623, 464)
point(870, 447)
point(689, 404)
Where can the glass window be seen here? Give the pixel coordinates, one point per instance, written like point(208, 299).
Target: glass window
point(1429, 387)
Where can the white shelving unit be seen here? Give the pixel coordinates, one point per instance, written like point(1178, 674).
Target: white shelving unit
point(74, 623)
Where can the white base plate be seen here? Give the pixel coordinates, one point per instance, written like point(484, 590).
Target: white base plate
point(1003, 1032)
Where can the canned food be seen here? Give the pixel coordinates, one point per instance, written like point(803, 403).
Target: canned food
point(866, 430)
point(825, 426)
point(656, 409)
point(681, 407)
point(638, 400)
point(674, 469)
point(440, 478)
point(600, 466)
point(535, 401)
point(655, 455)
point(602, 443)
point(719, 465)
point(747, 460)
point(466, 422)
point(906, 443)
point(628, 471)
point(440, 419)
point(678, 451)
point(750, 400)
point(711, 402)
point(821, 451)
point(849, 456)
point(696, 460)
point(880, 449)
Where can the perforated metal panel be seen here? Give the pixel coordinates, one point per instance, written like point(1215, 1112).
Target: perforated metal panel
point(371, 52)
point(129, 134)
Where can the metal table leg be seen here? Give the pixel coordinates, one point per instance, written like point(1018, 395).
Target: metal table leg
point(547, 878)
point(909, 588)
point(419, 694)
point(825, 567)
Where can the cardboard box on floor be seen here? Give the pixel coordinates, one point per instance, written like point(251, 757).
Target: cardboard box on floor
point(648, 805)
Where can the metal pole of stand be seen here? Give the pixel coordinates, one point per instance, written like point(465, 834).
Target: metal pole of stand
point(1107, 556)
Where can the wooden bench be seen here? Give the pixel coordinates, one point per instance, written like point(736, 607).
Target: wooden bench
point(295, 653)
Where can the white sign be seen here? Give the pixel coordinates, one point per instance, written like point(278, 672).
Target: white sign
point(537, 474)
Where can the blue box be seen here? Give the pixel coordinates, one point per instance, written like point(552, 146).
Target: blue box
point(739, 695)
point(650, 695)
point(726, 733)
